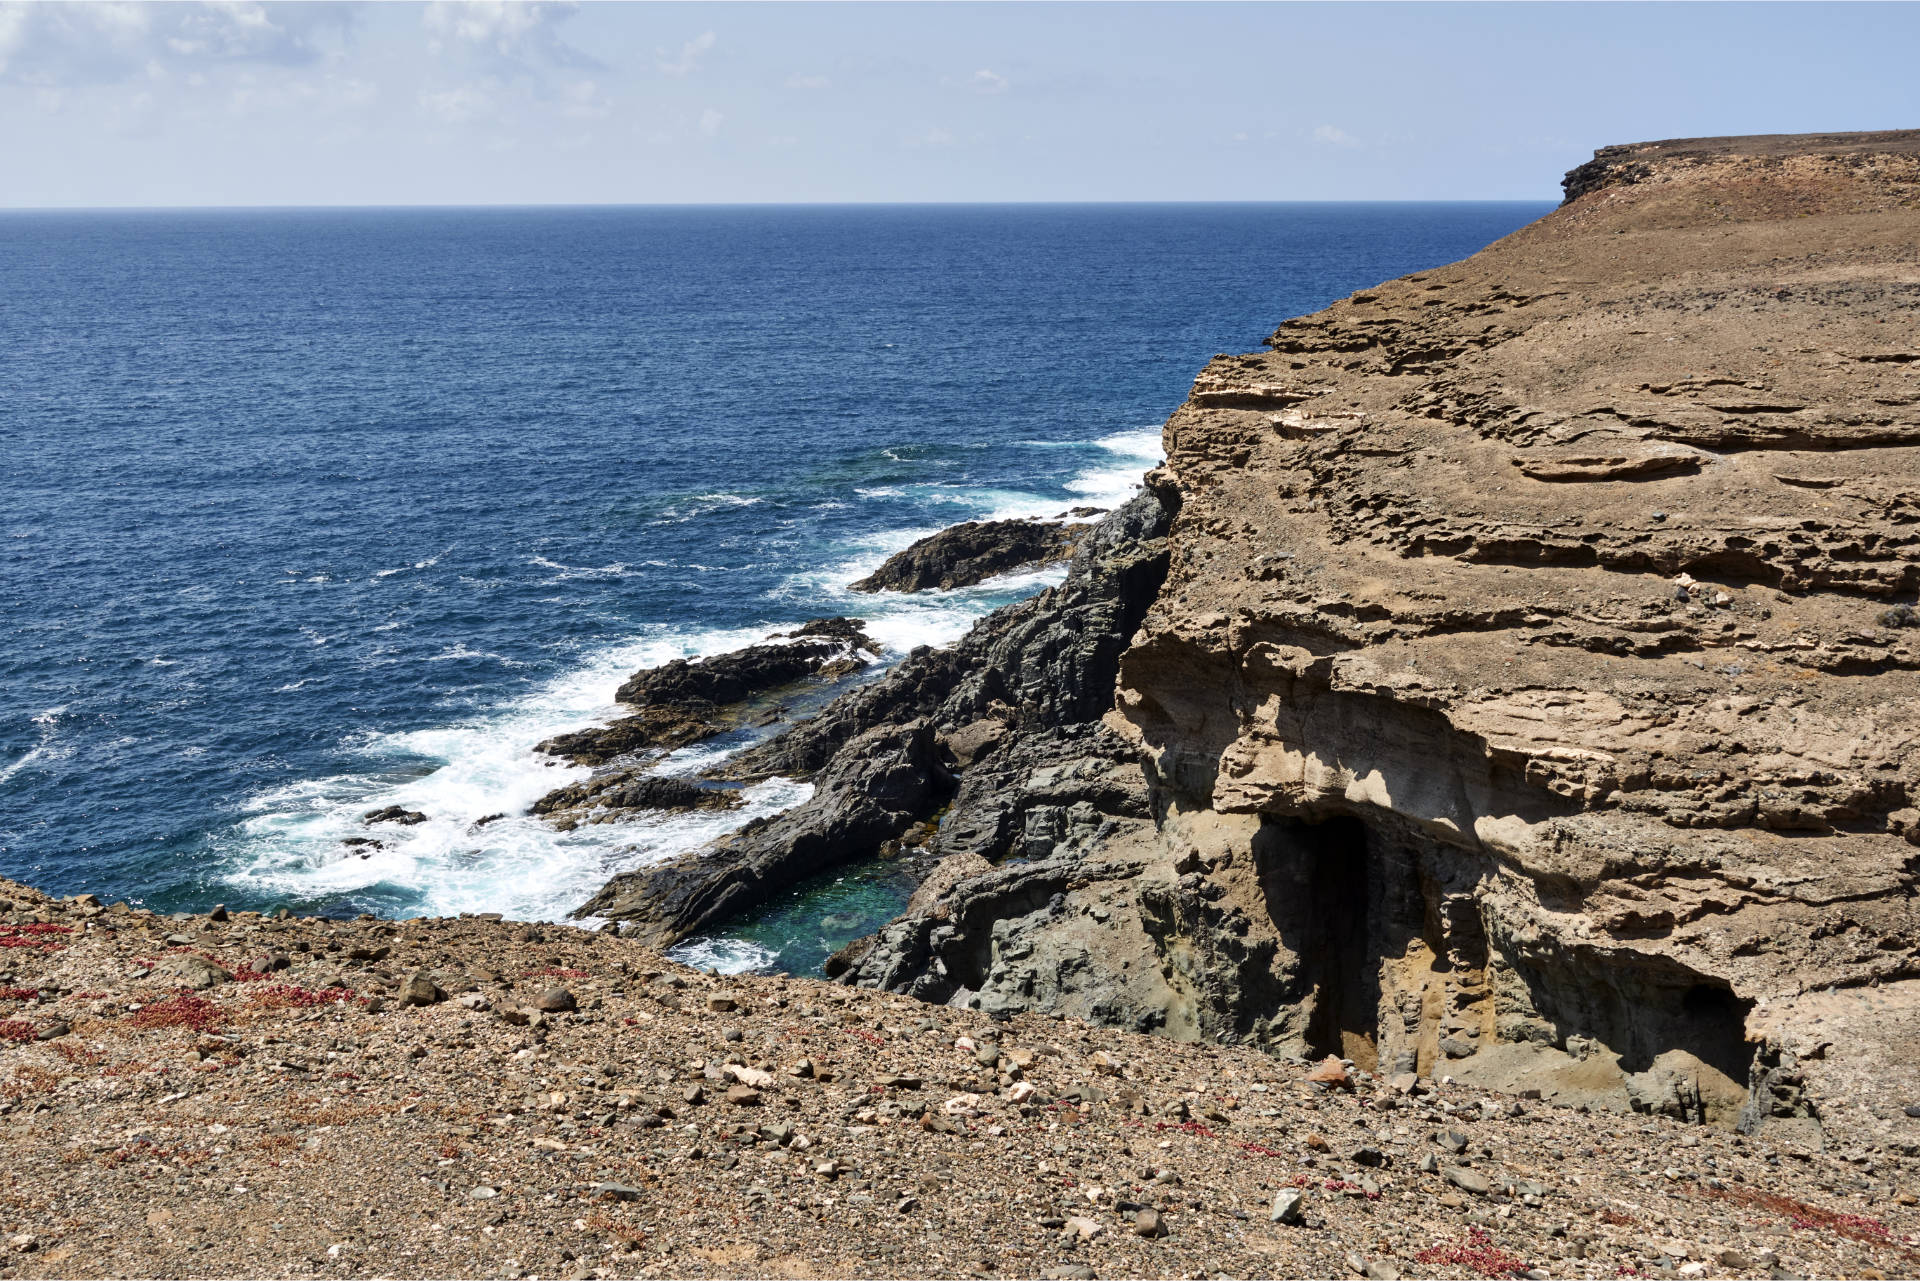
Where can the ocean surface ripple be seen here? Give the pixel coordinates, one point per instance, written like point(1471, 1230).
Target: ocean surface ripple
point(313, 512)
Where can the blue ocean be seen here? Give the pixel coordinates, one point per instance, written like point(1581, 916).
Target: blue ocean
point(309, 512)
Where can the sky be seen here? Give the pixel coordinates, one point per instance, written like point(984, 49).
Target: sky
point(123, 104)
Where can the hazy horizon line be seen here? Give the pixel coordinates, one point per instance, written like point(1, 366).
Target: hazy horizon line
point(756, 204)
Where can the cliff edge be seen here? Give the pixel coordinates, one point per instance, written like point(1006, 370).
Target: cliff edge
point(1513, 677)
point(1535, 668)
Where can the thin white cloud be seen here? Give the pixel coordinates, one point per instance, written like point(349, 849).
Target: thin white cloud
point(460, 105)
point(13, 33)
point(81, 44)
point(1334, 136)
point(930, 138)
point(582, 100)
point(689, 60)
point(710, 122)
point(798, 81)
point(491, 24)
point(509, 34)
point(985, 81)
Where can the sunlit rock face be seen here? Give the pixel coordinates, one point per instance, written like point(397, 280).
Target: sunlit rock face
point(1543, 623)
point(1510, 676)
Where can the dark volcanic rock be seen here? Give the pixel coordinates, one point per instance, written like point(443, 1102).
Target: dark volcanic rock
point(394, 814)
point(688, 700)
point(1045, 661)
point(882, 756)
point(833, 646)
point(971, 552)
point(632, 789)
point(884, 780)
point(654, 729)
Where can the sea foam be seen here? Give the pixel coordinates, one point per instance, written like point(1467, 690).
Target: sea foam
point(290, 842)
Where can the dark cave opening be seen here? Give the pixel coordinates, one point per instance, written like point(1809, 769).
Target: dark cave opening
point(1320, 888)
point(1713, 1028)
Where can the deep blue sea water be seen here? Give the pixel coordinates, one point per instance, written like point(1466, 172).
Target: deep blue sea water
point(308, 512)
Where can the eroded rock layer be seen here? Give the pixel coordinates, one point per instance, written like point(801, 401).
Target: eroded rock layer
point(1534, 673)
point(1524, 690)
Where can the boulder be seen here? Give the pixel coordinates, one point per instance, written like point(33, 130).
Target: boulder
point(419, 988)
point(971, 552)
point(189, 970)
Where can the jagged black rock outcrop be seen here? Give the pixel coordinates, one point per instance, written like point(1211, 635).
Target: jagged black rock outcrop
point(1033, 667)
point(972, 552)
point(688, 700)
point(622, 790)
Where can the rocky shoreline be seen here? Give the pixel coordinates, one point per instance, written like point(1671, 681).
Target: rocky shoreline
point(1504, 677)
point(891, 754)
point(1461, 818)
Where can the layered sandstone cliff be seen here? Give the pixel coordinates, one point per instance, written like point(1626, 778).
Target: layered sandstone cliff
point(1528, 689)
point(1536, 643)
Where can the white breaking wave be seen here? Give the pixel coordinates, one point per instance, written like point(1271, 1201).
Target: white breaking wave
point(727, 955)
point(33, 754)
point(478, 850)
point(700, 504)
point(46, 750)
point(428, 563)
point(1113, 484)
point(292, 841)
point(566, 572)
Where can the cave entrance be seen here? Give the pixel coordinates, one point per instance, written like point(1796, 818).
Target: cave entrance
point(1326, 906)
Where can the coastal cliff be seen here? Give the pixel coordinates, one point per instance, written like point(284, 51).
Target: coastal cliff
point(1495, 717)
point(1510, 675)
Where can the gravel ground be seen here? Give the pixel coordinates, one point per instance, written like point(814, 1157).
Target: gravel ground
point(472, 1097)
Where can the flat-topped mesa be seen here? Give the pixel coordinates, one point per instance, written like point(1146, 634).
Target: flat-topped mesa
point(971, 552)
point(1639, 161)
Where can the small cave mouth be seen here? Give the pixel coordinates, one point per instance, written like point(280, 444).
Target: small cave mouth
point(1713, 1027)
point(1322, 894)
point(1678, 1037)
